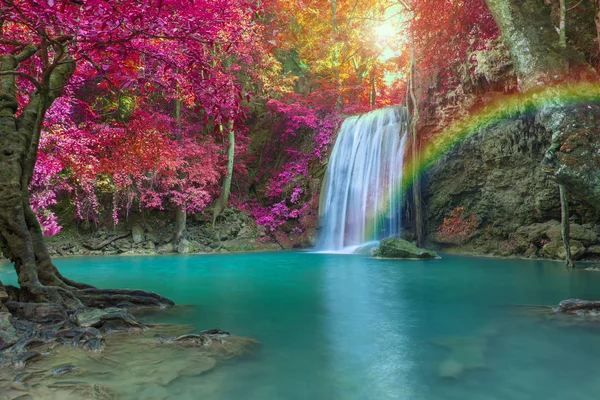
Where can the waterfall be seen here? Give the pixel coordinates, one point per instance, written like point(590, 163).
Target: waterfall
point(361, 194)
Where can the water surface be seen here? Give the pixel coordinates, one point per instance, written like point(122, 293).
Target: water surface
point(351, 327)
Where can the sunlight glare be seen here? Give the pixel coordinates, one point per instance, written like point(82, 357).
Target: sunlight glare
point(385, 31)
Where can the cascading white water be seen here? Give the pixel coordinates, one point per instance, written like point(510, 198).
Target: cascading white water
point(361, 195)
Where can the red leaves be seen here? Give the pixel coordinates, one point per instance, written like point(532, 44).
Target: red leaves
point(147, 53)
point(459, 226)
point(444, 31)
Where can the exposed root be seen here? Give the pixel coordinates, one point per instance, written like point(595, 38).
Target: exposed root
point(72, 299)
point(53, 294)
point(72, 283)
point(104, 298)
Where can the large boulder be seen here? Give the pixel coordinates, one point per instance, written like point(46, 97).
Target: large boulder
point(165, 248)
point(593, 251)
point(576, 232)
point(183, 247)
point(538, 230)
point(400, 248)
point(137, 233)
point(556, 250)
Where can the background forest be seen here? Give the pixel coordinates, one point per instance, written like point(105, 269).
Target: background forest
point(171, 117)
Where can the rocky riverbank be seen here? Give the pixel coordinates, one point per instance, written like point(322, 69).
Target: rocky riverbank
point(235, 231)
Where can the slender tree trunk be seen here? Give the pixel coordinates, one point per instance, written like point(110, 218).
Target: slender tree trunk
point(597, 20)
point(333, 14)
point(221, 203)
point(562, 30)
point(180, 224)
point(180, 214)
point(414, 141)
point(373, 91)
point(565, 226)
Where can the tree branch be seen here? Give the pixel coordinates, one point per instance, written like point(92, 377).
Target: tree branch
point(28, 51)
point(30, 78)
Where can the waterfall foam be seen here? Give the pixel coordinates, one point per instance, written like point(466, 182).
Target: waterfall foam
point(360, 202)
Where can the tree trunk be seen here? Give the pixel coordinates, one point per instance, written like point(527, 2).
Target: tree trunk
point(541, 59)
point(562, 25)
point(180, 224)
point(372, 91)
point(565, 226)
point(597, 20)
point(414, 141)
point(221, 203)
point(21, 239)
point(180, 214)
point(333, 14)
point(532, 40)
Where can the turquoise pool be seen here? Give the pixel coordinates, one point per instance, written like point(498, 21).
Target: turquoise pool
point(351, 327)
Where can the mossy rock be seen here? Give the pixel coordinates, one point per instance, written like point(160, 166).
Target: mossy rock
point(400, 248)
point(576, 232)
point(556, 250)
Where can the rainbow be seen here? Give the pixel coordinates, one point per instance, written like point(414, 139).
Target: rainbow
point(499, 109)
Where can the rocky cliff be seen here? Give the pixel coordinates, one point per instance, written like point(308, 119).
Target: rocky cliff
point(496, 175)
point(499, 176)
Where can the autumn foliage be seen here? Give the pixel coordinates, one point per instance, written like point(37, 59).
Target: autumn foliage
point(140, 120)
point(459, 225)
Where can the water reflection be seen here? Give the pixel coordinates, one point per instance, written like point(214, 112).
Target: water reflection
point(368, 330)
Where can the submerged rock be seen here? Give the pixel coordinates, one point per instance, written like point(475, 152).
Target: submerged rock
point(132, 366)
point(63, 369)
point(451, 369)
point(399, 248)
point(579, 307)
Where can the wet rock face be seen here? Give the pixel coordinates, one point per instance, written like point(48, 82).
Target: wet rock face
point(574, 155)
point(399, 248)
point(495, 174)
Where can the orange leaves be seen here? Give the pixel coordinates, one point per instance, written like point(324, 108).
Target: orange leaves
point(340, 44)
point(459, 225)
